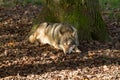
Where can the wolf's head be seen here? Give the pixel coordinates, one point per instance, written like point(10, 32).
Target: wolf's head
point(68, 43)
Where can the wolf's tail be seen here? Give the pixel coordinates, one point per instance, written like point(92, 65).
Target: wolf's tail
point(33, 38)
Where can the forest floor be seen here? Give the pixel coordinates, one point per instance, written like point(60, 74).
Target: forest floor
point(20, 60)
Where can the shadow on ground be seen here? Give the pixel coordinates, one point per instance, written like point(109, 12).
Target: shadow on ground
point(63, 62)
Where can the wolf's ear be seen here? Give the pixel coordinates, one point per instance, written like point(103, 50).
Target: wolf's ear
point(74, 33)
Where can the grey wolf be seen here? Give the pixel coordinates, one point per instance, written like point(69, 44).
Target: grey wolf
point(59, 35)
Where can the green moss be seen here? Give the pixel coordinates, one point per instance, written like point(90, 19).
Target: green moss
point(110, 4)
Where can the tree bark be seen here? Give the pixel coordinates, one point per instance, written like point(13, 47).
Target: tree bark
point(82, 14)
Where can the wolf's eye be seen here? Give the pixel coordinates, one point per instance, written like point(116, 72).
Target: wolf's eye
point(69, 42)
point(65, 43)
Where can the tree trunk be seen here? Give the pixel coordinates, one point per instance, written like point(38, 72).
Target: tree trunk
point(82, 14)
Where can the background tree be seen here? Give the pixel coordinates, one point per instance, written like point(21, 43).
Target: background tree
point(83, 14)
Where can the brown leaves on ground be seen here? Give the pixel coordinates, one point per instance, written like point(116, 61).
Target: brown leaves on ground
point(21, 60)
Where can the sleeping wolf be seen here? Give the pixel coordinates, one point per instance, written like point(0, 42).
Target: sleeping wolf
point(59, 35)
